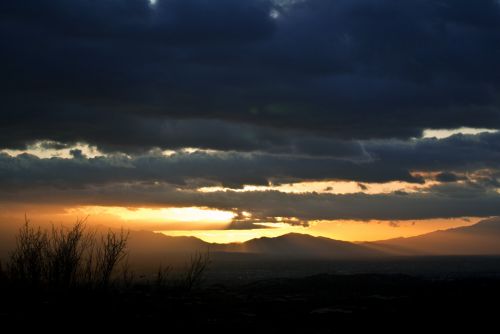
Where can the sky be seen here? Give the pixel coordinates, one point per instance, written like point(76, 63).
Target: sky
point(234, 119)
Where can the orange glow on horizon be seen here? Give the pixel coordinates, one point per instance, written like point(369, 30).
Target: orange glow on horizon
point(230, 236)
point(159, 215)
point(346, 230)
point(214, 225)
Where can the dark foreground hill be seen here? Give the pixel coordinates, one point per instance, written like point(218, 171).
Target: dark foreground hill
point(350, 292)
point(315, 304)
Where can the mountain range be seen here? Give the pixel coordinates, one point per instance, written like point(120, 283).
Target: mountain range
point(482, 238)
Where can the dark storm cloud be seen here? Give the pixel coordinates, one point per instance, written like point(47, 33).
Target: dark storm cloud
point(448, 177)
point(459, 152)
point(245, 225)
point(139, 135)
point(228, 169)
point(93, 70)
point(168, 21)
point(380, 161)
point(271, 204)
point(284, 91)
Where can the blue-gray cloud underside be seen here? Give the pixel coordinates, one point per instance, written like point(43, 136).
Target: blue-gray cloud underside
point(457, 201)
point(455, 158)
point(273, 91)
point(100, 71)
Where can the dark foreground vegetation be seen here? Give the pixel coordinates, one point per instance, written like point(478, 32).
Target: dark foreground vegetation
point(77, 277)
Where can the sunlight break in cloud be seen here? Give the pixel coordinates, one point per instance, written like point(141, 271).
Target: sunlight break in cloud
point(445, 133)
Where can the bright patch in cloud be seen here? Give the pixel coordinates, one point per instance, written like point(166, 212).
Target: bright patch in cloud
point(333, 187)
point(191, 214)
point(48, 149)
point(274, 14)
point(445, 133)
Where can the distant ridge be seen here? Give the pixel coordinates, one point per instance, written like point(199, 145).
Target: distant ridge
point(301, 245)
point(482, 238)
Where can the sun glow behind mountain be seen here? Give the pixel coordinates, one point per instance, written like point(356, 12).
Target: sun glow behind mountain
point(220, 226)
point(345, 230)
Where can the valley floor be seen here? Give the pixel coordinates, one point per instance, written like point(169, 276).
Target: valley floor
point(320, 303)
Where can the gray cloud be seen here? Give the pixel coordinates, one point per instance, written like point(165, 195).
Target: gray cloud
point(376, 161)
point(449, 177)
point(320, 90)
point(230, 169)
point(462, 201)
point(105, 72)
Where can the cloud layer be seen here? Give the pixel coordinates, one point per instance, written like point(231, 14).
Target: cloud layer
point(110, 70)
point(371, 161)
point(268, 91)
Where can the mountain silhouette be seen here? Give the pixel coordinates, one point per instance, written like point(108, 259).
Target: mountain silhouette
point(482, 238)
point(293, 245)
point(300, 245)
point(146, 242)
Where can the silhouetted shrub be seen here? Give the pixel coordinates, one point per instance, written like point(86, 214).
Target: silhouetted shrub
point(65, 250)
point(162, 278)
point(28, 263)
point(110, 252)
point(195, 271)
point(127, 276)
point(3, 276)
point(65, 257)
